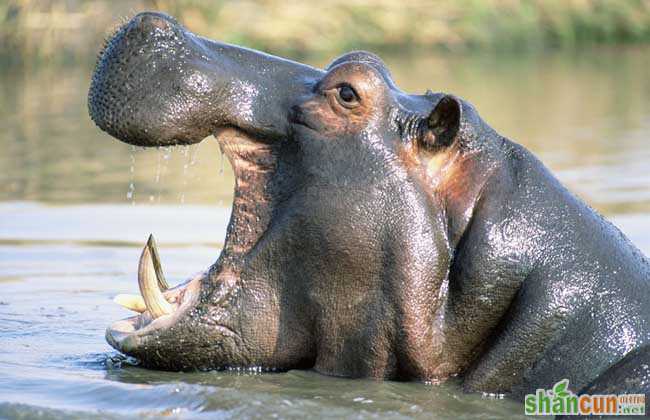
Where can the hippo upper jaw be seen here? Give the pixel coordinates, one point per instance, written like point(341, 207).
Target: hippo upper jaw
point(158, 84)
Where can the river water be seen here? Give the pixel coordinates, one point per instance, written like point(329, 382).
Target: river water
point(76, 207)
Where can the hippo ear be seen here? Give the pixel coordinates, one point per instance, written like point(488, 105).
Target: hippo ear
point(443, 123)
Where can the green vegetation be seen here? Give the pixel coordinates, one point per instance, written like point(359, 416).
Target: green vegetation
point(69, 29)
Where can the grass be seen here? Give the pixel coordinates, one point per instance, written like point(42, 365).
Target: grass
point(64, 30)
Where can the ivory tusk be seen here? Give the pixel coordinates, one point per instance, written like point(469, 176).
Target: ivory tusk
point(154, 300)
point(153, 247)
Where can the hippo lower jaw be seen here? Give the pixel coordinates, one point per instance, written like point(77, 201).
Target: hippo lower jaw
point(130, 334)
point(253, 163)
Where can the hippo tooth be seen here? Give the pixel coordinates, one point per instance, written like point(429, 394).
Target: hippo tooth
point(148, 282)
point(162, 283)
point(132, 302)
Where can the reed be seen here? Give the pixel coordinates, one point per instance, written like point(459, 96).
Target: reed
point(67, 30)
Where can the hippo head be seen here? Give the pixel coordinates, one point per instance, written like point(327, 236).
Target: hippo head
point(337, 248)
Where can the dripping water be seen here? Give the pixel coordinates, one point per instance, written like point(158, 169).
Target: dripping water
point(186, 165)
point(162, 164)
point(130, 193)
point(221, 161)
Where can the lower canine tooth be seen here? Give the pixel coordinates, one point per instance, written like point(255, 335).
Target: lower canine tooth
point(132, 302)
point(153, 248)
point(156, 303)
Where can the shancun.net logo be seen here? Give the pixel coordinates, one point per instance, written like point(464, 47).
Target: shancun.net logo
point(560, 400)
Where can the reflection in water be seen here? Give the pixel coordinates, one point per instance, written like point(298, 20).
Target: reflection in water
point(586, 115)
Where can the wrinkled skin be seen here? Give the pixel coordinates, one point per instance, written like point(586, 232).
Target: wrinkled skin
point(373, 233)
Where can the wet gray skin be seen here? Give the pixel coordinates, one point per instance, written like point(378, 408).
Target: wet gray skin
point(373, 233)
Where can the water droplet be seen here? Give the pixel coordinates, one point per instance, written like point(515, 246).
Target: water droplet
point(130, 194)
point(158, 167)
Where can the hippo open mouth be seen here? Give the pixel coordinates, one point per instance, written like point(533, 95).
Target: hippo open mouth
point(162, 307)
point(158, 84)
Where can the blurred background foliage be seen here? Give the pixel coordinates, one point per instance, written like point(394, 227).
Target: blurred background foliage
point(69, 30)
point(567, 78)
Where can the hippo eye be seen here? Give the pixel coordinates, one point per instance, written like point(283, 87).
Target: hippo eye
point(347, 96)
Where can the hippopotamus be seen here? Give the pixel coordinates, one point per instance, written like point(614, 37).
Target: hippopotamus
point(374, 233)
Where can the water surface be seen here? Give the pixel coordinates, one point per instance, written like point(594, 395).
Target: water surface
point(76, 206)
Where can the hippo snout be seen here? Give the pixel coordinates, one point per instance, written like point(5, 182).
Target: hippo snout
point(137, 92)
point(158, 84)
